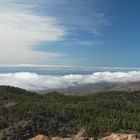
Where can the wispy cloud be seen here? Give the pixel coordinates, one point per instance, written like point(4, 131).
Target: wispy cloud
point(26, 23)
point(21, 28)
point(81, 15)
point(89, 43)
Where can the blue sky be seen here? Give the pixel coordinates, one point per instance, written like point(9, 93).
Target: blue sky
point(102, 33)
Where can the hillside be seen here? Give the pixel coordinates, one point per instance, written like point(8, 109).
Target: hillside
point(25, 114)
point(99, 87)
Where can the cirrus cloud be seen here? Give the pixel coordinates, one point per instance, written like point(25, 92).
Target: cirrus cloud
point(21, 28)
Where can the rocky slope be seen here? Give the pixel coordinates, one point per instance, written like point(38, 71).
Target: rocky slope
point(121, 137)
point(79, 137)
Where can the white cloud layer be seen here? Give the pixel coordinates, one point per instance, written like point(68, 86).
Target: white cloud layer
point(35, 82)
point(21, 28)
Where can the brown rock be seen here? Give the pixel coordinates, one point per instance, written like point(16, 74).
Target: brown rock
point(60, 138)
point(79, 137)
point(120, 137)
point(40, 137)
point(57, 138)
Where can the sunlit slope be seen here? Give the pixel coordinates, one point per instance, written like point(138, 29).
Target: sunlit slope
point(57, 114)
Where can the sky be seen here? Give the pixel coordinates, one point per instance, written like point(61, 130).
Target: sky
point(94, 33)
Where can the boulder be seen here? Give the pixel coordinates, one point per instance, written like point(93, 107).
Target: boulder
point(40, 137)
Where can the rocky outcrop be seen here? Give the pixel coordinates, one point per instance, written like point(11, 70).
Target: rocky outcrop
point(79, 137)
point(42, 137)
point(75, 137)
point(121, 137)
point(39, 137)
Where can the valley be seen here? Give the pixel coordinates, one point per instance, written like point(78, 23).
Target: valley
point(26, 114)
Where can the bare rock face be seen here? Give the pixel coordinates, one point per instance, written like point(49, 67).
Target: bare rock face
point(121, 137)
point(75, 137)
point(60, 138)
point(39, 137)
point(79, 137)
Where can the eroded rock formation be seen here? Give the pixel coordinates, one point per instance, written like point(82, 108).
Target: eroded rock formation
point(79, 137)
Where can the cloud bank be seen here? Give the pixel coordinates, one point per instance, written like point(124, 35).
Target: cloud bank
point(35, 82)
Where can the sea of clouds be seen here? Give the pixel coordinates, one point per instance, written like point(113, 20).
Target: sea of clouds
point(36, 82)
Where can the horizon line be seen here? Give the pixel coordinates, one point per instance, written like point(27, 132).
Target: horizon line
point(66, 66)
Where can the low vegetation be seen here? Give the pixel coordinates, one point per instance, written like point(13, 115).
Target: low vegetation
point(57, 114)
